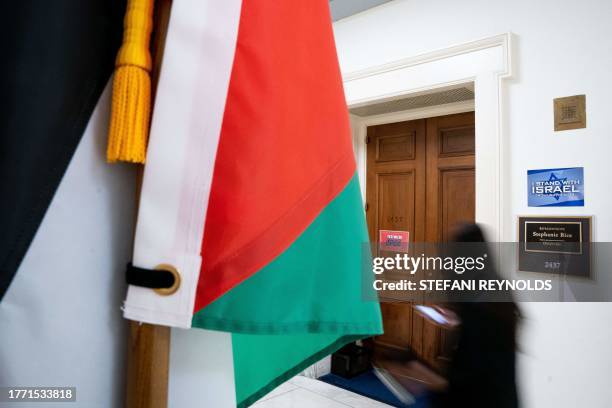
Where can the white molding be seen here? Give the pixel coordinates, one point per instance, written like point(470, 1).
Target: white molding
point(501, 40)
point(485, 62)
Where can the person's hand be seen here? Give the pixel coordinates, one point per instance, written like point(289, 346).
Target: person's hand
point(439, 316)
point(451, 317)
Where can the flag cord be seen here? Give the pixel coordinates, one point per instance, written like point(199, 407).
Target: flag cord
point(131, 102)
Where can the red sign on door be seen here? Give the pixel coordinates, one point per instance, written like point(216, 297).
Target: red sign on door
point(396, 241)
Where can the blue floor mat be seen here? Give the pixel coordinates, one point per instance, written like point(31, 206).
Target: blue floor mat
point(368, 385)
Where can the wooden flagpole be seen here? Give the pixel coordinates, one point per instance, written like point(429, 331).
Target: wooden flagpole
point(149, 345)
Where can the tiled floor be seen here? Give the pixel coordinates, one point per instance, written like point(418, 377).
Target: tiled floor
point(303, 392)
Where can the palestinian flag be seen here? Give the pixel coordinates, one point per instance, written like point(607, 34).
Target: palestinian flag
point(57, 59)
point(250, 190)
point(66, 215)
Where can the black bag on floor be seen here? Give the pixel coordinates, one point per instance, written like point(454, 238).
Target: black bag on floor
point(350, 361)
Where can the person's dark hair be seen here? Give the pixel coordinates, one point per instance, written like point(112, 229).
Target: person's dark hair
point(469, 233)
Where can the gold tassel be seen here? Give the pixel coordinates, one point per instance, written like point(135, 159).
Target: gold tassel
point(131, 105)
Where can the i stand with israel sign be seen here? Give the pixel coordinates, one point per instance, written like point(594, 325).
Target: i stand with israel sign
point(562, 187)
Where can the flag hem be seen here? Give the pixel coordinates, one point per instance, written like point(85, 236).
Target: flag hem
point(293, 371)
point(312, 326)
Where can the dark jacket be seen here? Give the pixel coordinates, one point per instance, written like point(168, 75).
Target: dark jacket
point(482, 372)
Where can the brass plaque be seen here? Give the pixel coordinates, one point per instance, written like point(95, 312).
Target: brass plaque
point(555, 244)
point(570, 112)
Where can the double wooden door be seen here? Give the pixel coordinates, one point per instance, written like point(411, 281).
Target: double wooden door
point(420, 179)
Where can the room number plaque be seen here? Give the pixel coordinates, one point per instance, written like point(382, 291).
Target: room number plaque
point(558, 245)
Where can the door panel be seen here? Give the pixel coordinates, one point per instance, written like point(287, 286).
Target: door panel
point(397, 325)
point(450, 202)
point(456, 141)
point(457, 199)
point(395, 147)
point(396, 201)
point(396, 178)
point(450, 174)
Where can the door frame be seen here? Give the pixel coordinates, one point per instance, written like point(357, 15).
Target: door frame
point(486, 63)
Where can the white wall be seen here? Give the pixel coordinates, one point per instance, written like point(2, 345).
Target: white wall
point(561, 48)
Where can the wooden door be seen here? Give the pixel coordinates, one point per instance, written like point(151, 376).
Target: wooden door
point(420, 178)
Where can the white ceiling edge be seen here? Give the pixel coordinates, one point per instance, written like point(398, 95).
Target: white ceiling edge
point(345, 8)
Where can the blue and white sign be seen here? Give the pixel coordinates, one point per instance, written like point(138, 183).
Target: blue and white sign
point(556, 187)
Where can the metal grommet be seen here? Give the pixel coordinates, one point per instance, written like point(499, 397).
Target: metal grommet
point(177, 280)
